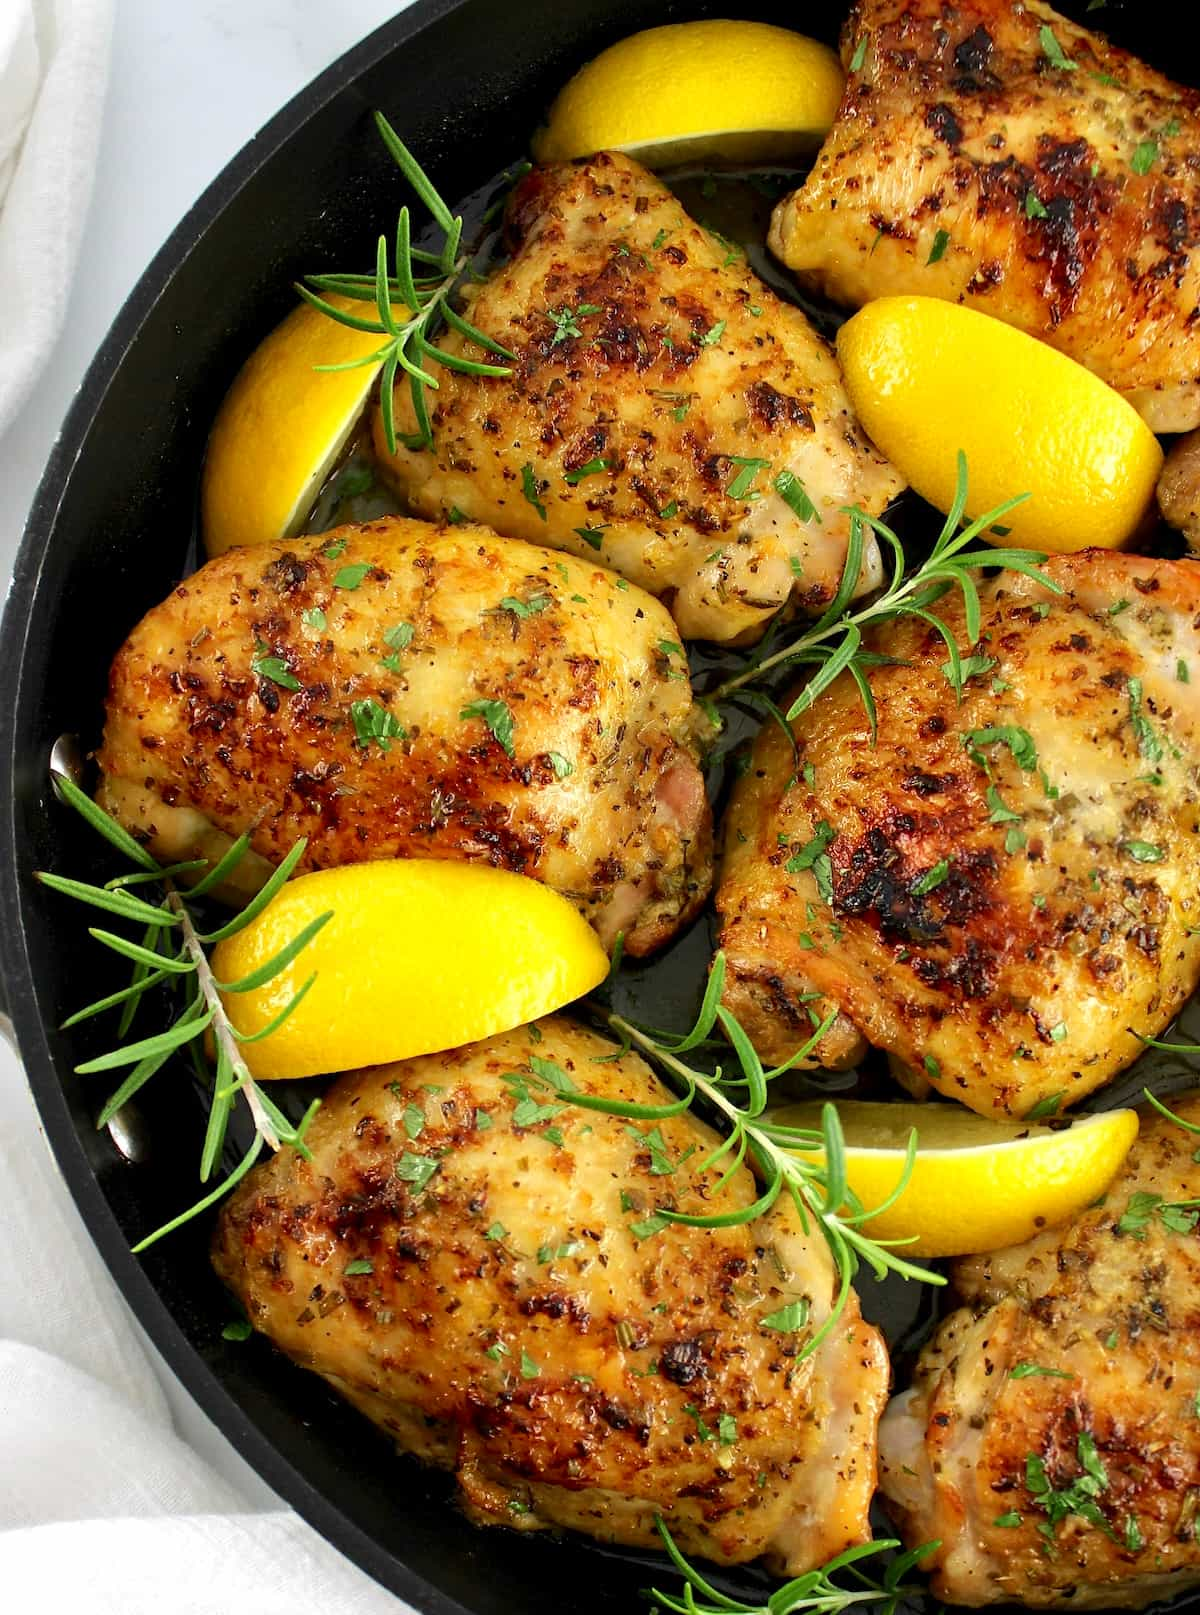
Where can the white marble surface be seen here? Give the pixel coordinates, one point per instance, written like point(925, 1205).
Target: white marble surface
point(191, 81)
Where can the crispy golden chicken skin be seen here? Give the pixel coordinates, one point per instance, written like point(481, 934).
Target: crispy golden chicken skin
point(998, 890)
point(658, 390)
point(1043, 177)
point(1076, 1359)
point(475, 1268)
point(402, 690)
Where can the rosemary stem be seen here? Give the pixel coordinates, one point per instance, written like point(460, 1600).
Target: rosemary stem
point(221, 1029)
point(884, 606)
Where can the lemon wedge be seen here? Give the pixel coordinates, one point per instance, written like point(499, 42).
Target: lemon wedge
point(928, 378)
point(283, 426)
point(977, 1185)
point(698, 92)
point(419, 955)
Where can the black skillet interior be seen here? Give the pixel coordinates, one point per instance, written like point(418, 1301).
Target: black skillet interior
point(109, 536)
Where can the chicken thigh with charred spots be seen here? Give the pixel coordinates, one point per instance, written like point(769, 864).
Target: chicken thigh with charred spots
point(664, 410)
point(1050, 1442)
point(479, 1265)
point(998, 887)
point(1004, 157)
point(403, 690)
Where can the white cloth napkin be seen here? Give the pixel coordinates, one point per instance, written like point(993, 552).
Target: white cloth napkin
point(102, 1507)
point(53, 67)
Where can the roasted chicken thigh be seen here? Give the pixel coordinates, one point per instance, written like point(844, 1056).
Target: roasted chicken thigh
point(1051, 1439)
point(1002, 889)
point(403, 690)
point(478, 1268)
point(658, 393)
point(995, 153)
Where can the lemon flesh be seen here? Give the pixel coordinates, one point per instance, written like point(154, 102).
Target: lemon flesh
point(928, 378)
point(698, 92)
point(420, 955)
point(283, 426)
point(976, 1185)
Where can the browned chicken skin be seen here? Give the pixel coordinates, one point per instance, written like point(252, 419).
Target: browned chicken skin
point(520, 1326)
point(1077, 1355)
point(322, 687)
point(1179, 488)
point(658, 390)
point(966, 164)
point(1000, 889)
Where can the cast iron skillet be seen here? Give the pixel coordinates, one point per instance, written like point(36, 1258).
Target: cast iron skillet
point(464, 81)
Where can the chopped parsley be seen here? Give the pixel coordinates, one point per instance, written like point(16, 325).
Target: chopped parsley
point(1143, 852)
point(362, 1265)
point(414, 1121)
point(529, 1369)
point(938, 251)
point(1048, 1106)
point(375, 723)
point(713, 335)
point(1019, 742)
point(1054, 52)
point(969, 667)
point(1007, 1521)
point(932, 878)
point(670, 511)
point(1036, 1371)
point(727, 1431)
point(529, 487)
point(1148, 743)
point(561, 765)
point(499, 719)
point(565, 321)
point(526, 608)
point(277, 670)
point(592, 469)
point(1000, 814)
point(239, 1329)
point(702, 1430)
point(1145, 155)
point(1077, 1498)
point(860, 55)
point(416, 1169)
point(496, 1232)
point(744, 480)
point(400, 637)
point(1035, 208)
point(314, 617)
point(787, 1319)
point(649, 1226)
point(1177, 1217)
point(813, 855)
point(592, 535)
point(794, 495)
point(335, 549)
point(349, 577)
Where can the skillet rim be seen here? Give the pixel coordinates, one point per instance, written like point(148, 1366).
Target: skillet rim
point(320, 1509)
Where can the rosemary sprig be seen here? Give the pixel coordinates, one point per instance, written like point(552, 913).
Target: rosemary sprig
point(172, 952)
point(422, 283)
point(1174, 1048)
point(833, 644)
point(815, 1590)
point(807, 1164)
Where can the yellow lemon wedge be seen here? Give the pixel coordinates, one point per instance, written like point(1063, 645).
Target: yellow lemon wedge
point(928, 378)
point(977, 1185)
point(418, 955)
point(698, 92)
point(283, 426)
